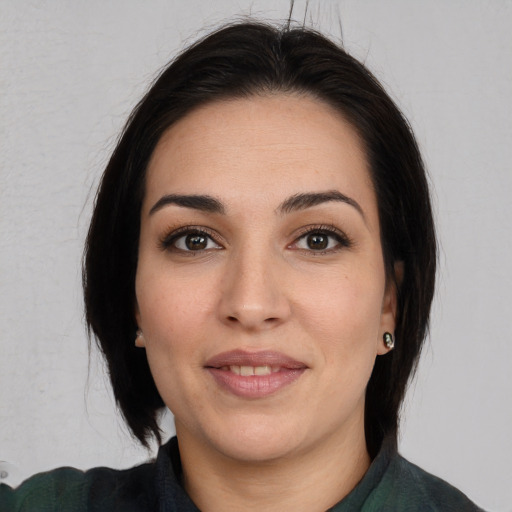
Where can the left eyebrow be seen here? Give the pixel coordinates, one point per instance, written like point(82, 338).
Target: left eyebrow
point(308, 200)
point(203, 203)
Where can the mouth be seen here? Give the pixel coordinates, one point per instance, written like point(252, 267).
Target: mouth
point(247, 371)
point(254, 375)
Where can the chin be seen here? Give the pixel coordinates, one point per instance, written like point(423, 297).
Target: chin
point(257, 441)
point(258, 450)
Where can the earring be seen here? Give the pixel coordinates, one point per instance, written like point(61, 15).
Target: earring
point(389, 340)
point(139, 338)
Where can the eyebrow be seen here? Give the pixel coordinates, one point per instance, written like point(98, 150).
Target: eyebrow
point(308, 200)
point(203, 203)
point(297, 202)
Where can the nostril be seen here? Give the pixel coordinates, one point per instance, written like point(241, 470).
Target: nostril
point(234, 319)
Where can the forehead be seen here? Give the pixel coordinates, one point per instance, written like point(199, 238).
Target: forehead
point(260, 147)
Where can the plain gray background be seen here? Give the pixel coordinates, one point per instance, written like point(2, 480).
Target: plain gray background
point(70, 72)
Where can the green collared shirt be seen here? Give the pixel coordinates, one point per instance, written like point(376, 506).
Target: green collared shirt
point(392, 484)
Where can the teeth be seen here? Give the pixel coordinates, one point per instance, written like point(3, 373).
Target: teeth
point(262, 370)
point(248, 371)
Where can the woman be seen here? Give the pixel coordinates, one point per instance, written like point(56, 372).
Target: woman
point(261, 260)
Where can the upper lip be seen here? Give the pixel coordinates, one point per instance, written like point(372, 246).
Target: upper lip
point(262, 358)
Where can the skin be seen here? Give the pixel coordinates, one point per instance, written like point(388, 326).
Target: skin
point(258, 285)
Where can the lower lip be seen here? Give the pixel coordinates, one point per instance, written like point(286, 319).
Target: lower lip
point(255, 386)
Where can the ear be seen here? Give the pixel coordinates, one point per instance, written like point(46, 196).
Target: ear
point(389, 306)
point(139, 338)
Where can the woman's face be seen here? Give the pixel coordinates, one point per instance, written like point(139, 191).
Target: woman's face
point(261, 290)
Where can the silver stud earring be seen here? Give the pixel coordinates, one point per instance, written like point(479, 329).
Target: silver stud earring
point(389, 341)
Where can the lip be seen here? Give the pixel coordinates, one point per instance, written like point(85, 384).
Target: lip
point(254, 386)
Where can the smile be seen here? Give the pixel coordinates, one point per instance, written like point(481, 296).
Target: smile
point(254, 375)
point(247, 371)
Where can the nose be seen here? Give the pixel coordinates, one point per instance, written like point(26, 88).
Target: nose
point(253, 291)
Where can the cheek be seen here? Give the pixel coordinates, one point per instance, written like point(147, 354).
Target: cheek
point(171, 317)
point(168, 303)
point(342, 307)
point(342, 317)
point(174, 313)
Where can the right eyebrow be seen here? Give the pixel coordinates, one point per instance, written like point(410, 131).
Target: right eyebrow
point(308, 200)
point(203, 203)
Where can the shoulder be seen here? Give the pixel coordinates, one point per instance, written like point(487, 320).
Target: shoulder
point(415, 489)
point(73, 490)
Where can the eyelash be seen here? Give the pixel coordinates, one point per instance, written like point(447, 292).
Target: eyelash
point(168, 241)
point(343, 241)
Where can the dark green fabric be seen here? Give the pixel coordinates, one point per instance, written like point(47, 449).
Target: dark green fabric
point(392, 484)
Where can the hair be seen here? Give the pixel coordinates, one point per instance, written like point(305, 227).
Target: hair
point(243, 60)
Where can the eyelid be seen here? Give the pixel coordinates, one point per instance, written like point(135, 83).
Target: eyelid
point(172, 234)
point(344, 241)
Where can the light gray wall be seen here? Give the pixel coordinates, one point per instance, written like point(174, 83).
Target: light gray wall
point(71, 71)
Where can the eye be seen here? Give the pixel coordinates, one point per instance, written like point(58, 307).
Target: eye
point(321, 240)
point(189, 240)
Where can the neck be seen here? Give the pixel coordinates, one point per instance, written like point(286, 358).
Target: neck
point(315, 479)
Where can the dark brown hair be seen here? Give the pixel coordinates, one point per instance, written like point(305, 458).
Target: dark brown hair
point(239, 61)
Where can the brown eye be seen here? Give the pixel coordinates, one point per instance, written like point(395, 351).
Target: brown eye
point(317, 241)
point(322, 240)
point(196, 242)
point(189, 240)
